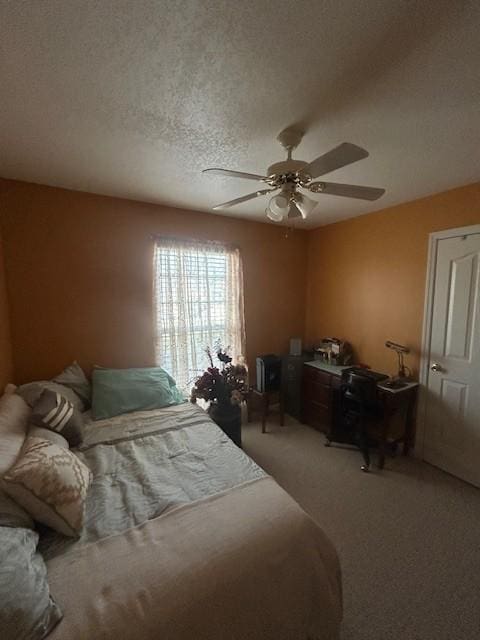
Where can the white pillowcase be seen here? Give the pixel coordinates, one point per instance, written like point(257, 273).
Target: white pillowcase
point(14, 414)
point(10, 388)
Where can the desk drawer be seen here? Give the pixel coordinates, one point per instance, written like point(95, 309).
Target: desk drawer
point(315, 375)
point(316, 392)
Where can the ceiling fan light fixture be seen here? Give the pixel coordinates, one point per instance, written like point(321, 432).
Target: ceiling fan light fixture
point(278, 207)
point(273, 216)
point(279, 204)
point(304, 205)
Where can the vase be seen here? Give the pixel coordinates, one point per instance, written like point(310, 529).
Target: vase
point(229, 418)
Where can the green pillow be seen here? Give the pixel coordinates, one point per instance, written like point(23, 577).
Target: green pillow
point(117, 391)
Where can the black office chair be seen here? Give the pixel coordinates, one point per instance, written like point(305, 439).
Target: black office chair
point(358, 405)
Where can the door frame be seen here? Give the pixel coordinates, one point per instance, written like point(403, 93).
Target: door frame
point(433, 241)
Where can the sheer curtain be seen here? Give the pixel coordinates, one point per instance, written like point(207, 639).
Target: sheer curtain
point(198, 296)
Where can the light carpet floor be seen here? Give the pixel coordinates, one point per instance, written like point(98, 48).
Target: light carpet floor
point(408, 536)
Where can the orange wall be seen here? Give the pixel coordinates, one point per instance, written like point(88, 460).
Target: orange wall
point(5, 345)
point(79, 268)
point(366, 276)
point(80, 279)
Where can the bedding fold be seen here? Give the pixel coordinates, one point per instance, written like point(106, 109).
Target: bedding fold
point(246, 563)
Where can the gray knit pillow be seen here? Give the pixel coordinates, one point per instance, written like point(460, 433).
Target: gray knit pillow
point(53, 411)
point(74, 378)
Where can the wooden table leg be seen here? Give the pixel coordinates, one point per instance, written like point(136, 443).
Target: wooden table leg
point(408, 436)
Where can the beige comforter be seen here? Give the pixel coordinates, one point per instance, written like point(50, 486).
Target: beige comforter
point(244, 564)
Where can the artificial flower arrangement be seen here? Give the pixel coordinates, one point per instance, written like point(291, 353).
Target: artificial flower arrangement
point(224, 385)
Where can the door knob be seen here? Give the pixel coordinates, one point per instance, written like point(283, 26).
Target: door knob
point(436, 367)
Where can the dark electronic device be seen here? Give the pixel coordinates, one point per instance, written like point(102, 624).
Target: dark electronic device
point(269, 369)
point(395, 384)
point(367, 373)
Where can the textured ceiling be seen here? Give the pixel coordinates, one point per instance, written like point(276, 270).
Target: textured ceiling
point(135, 98)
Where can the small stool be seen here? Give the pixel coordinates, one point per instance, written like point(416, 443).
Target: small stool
point(261, 401)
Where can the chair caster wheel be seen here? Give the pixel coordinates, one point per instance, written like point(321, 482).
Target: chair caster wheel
point(365, 468)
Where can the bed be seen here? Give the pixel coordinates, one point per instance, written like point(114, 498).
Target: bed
point(186, 537)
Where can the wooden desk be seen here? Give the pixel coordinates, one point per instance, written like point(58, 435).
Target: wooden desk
point(319, 383)
point(320, 405)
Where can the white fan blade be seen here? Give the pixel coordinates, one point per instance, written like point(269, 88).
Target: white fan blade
point(250, 196)
point(346, 190)
point(345, 153)
point(234, 174)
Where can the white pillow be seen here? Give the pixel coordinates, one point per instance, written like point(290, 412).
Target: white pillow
point(10, 388)
point(51, 484)
point(14, 414)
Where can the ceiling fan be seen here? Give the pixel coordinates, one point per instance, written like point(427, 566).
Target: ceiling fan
point(292, 176)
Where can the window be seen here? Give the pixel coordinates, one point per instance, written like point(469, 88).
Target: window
point(198, 290)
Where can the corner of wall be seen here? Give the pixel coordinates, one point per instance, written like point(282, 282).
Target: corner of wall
point(366, 275)
point(306, 284)
point(6, 361)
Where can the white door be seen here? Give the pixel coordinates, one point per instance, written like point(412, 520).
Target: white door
point(452, 417)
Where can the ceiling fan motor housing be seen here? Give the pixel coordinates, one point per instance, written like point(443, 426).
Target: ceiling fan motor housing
point(287, 171)
point(286, 166)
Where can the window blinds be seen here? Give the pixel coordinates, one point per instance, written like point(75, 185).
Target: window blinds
point(198, 295)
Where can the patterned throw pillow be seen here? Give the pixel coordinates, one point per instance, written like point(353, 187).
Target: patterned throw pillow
point(53, 411)
point(51, 483)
